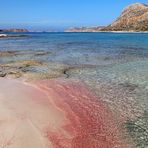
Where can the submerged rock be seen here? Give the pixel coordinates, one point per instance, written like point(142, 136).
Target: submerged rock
point(138, 130)
point(2, 74)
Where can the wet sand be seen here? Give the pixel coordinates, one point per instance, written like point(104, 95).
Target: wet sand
point(55, 113)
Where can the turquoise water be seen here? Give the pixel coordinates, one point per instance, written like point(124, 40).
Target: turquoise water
point(82, 48)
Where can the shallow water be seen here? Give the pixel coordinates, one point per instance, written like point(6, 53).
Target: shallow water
point(82, 48)
point(113, 65)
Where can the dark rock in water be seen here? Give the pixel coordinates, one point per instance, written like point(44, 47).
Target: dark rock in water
point(3, 35)
point(138, 130)
point(133, 18)
point(129, 86)
point(42, 53)
point(13, 35)
point(2, 74)
point(18, 35)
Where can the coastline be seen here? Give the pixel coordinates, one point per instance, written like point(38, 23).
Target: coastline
point(125, 31)
point(28, 33)
point(111, 32)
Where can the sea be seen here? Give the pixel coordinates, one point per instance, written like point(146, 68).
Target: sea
point(82, 48)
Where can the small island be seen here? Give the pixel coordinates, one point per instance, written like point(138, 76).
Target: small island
point(4, 33)
point(13, 30)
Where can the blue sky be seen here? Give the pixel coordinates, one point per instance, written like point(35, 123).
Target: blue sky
point(60, 13)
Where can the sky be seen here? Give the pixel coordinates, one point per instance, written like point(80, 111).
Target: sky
point(51, 14)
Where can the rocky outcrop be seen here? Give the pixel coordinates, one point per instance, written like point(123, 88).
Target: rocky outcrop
point(84, 29)
point(133, 18)
point(14, 30)
point(3, 35)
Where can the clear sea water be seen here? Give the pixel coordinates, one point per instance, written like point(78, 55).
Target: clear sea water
point(119, 72)
point(123, 56)
point(82, 48)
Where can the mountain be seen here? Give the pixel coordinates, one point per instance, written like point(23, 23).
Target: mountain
point(14, 30)
point(84, 29)
point(133, 18)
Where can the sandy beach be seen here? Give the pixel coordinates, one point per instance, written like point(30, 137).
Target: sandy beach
point(54, 113)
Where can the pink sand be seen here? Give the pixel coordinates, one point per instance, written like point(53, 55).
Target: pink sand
point(54, 113)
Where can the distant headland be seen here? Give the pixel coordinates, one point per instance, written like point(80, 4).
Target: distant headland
point(4, 33)
point(14, 30)
point(84, 29)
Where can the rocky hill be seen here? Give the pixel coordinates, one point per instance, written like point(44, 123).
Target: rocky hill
point(14, 30)
point(133, 18)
